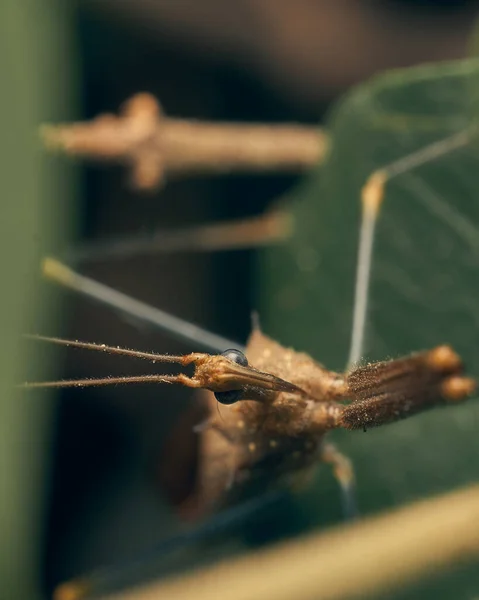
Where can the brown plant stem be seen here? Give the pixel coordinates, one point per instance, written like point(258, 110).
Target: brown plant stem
point(371, 557)
point(155, 145)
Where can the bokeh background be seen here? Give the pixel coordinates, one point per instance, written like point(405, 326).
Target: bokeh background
point(80, 468)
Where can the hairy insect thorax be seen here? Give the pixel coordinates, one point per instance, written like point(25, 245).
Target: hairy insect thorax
point(252, 444)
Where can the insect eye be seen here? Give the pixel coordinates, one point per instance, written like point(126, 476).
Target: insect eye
point(235, 356)
point(229, 397)
point(232, 396)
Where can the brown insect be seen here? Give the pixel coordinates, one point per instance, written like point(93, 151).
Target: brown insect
point(278, 404)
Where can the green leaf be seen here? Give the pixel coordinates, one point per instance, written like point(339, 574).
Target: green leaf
point(425, 277)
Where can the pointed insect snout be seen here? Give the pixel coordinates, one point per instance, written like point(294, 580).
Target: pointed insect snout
point(219, 374)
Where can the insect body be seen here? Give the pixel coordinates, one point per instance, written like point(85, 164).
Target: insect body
point(278, 404)
point(268, 407)
point(269, 434)
point(276, 407)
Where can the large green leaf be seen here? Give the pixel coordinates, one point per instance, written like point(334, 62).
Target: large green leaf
point(425, 278)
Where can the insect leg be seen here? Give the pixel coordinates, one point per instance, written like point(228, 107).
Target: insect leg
point(178, 328)
point(252, 232)
point(344, 473)
point(326, 416)
point(372, 196)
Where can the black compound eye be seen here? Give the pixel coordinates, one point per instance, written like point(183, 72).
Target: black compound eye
point(235, 356)
point(229, 397)
point(232, 396)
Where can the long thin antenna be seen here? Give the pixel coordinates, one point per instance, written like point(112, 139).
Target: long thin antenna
point(176, 327)
point(214, 372)
point(102, 381)
point(371, 198)
point(151, 356)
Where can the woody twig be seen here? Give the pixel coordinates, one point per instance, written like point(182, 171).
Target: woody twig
point(379, 555)
point(156, 146)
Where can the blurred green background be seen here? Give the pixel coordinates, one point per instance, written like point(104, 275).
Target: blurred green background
point(38, 67)
point(80, 485)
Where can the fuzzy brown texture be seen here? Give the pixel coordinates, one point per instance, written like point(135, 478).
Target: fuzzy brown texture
point(284, 403)
point(274, 433)
point(388, 391)
point(254, 444)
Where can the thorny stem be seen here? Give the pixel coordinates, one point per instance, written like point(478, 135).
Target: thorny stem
point(155, 145)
